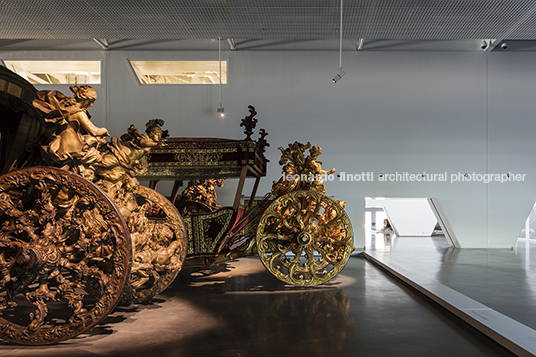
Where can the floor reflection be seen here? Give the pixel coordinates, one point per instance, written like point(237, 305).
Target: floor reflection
point(308, 323)
point(502, 279)
point(379, 241)
point(525, 250)
point(268, 317)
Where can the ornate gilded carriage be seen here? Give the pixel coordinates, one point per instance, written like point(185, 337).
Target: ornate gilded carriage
point(302, 236)
point(79, 234)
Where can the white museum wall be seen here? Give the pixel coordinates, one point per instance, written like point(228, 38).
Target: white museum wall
point(512, 129)
point(414, 112)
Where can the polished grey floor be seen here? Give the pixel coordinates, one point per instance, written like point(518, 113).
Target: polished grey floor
point(503, 281)
point(240, 309)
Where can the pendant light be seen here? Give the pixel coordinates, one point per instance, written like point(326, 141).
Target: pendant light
point(220, 109)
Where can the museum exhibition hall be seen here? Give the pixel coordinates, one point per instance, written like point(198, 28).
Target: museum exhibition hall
point(267, 178)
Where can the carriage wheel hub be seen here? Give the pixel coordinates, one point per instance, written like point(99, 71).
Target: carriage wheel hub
point(304, 238)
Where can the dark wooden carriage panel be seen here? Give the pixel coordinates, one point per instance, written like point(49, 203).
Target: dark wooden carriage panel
point(187, 159)
point(19, 123)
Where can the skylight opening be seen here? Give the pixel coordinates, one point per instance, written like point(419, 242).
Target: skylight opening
point(180, 72)
point(57, 72)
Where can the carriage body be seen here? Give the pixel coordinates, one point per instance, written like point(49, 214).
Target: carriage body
point(212, 230)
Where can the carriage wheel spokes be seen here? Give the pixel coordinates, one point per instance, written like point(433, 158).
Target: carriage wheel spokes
point(304, 238)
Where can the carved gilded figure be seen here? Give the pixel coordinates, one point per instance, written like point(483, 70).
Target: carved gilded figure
point(128, 156)
point(73, 134)
point(202, 191)
point(65, 240)
point(300, 171)
point(78, 145)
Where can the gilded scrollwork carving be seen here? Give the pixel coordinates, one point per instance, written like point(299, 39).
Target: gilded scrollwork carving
point(159, 246)
point(63, 244)
point(303, 237)
point(196, 158)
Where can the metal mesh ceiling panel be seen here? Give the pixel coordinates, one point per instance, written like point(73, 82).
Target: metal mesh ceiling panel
point(267, 19)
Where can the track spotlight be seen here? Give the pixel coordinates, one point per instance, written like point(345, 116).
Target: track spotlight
point(504, 45)
point(483, 45)
point(338, 76)
point(221, 111)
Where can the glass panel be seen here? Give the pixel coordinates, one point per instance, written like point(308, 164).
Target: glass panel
point(180, 72)
point(57, 72)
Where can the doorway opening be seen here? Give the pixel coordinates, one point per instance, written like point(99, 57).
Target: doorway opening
point(387, 219)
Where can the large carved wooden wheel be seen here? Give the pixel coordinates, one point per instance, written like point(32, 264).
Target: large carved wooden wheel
point(304, 238)
point(160, 245)
point(65, 255)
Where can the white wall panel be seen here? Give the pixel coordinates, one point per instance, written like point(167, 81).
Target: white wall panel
point(415, 112)
point(511, 133)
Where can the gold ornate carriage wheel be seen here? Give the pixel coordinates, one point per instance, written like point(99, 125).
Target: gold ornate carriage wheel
point(304, 238)
point(64, 257)
point(175, 248)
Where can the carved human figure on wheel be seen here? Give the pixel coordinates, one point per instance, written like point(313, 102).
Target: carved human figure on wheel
point(128, 156)
point(73, 133)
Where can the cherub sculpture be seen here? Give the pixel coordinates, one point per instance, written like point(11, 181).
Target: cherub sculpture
point(74, 136)
point(300, 172)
